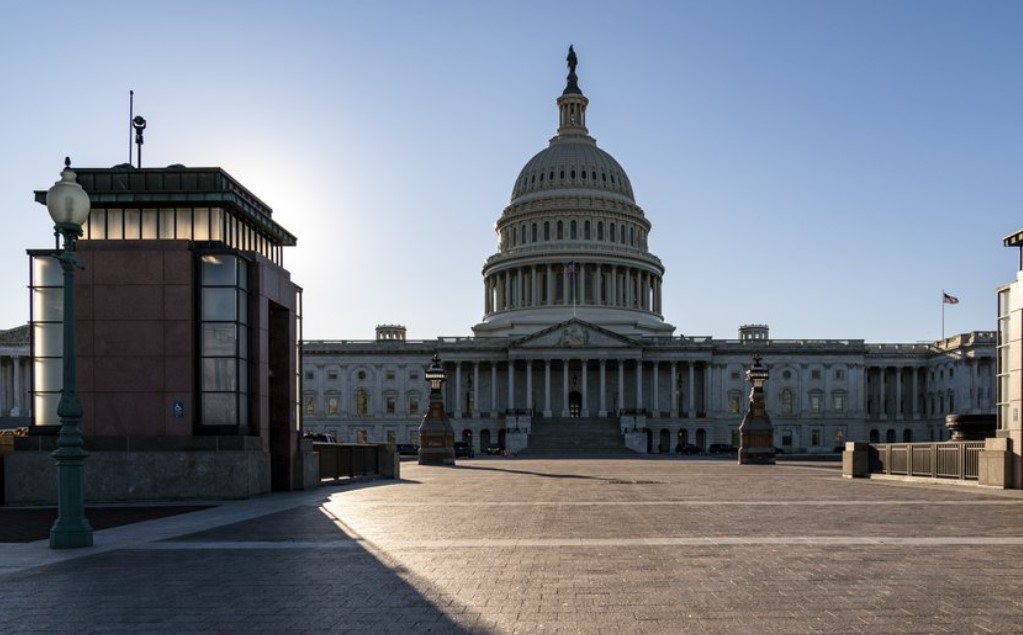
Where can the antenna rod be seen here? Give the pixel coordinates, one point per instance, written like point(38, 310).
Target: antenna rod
point(131, 115)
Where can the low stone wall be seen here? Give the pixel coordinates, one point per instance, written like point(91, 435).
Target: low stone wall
point(30, 478)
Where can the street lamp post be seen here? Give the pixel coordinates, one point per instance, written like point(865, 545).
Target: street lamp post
point(436, 436)
point(68, 205)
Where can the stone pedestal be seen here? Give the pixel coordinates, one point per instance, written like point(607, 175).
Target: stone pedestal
point(756, 433)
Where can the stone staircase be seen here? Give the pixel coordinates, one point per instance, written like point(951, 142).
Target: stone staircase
point(575, 436)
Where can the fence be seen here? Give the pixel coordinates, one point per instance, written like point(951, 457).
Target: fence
point(951, 459)
point(349, 460)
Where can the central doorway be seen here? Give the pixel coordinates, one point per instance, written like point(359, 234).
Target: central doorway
point(575, 404)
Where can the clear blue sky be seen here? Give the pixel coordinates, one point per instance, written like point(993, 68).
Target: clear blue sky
point(826, 167)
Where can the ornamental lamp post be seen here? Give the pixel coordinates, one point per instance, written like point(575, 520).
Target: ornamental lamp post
point(756, 433)
point(436, 436)
point(68, 205)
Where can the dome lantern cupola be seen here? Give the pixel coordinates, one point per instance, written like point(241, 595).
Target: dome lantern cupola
point(572, 103)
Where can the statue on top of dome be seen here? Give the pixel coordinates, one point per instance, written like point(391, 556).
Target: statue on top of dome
point(573, 86)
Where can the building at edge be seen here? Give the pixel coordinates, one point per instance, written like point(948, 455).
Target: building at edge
point(573, 352)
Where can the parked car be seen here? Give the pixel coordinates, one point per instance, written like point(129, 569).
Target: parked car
point(494, 449)
point(779, 451)
point(407, 449)
point(688, 448)
point(321, 437)
point(722, 448)
point(463, 450)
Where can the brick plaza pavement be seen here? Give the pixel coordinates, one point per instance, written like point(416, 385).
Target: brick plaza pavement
point(496, 546)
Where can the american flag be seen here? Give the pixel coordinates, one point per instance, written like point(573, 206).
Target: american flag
point(949, 299)
point(570, 267)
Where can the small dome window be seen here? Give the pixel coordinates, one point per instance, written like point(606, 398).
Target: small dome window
point(541, 177)
point(562, 175)
point(533, 179)
point(603, 176)
point(551, 177)
point(573, 174)
point(612, 178)
point(584, 174)
point(594, 175)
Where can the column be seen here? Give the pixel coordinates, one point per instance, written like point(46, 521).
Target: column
point(706, 388)
point(564, 388)
point(673, 408)
point(475, 389)
point(511, 384)
point(656, 410)
point(533, 297)
point(529, 386)
point(486, 296)
point(493, 389)
point(974, 387)
point(603, 389)
point(547, 387)
point(17, 398)
point(549, 281)
point(915, 401)
point(639, 384)
point(621, 384)
point(3, 386)
point(898, 392)
point(826, 406)
point(882, 410)
point(585, 410)
point(692, 389)
point(458, 390)
point(612, 296)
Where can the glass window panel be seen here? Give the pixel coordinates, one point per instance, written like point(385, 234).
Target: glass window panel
point(115, 224)
point(219, 304)
point(97, 225)
point(132, 224)
point(219, 339)
point(216, 224)
point(218, 270)
point(243, 342)
point(243, 307)
point(49, 374)
point(200, 223)
point(46, 272)
point(48, 339)
point(149, 227)
point(184, 223)
point(219, 409)
point(243, 274)
point(243, 378)
point(44, 405)
point(243, 410)
point(166, 224)
point(220, 373)
point(48, 304)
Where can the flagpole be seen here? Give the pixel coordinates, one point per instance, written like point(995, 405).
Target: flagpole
point(943, 303)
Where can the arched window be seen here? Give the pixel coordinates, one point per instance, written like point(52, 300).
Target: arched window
point(534, 232)
point(571, 230)
point(889, 437)
point(907, 436)
point(522, 235)
point(546, 230)
point(786, 401)
point(561, 230)
point(600, 230)
point(611, 231)
point(361, 402)
point(586, 230)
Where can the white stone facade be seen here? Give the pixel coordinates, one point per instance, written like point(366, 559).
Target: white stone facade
point(573, 329)
point(15, 377)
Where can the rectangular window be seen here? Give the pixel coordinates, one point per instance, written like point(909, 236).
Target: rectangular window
point(413, 404)
point(223, 342)
point(815, 374)
point(839, 402)
point(391, 405)
point(310, 404)
point(815, 437)
point(389, 375)
point(733, 404)
point(815, 403)
point(839, 374)
point(332, 404)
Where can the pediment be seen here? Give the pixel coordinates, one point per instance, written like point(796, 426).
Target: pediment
point(574, 334)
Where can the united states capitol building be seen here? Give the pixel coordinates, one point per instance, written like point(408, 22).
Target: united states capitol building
point(574, 353)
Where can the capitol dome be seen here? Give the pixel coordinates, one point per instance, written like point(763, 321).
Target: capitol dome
point(572, 242)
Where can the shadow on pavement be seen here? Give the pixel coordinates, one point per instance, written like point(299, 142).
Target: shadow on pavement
point(530, 472)
point(297, 570)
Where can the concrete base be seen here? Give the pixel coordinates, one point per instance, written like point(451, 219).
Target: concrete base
point(30, 478)
point(636, 441)
point(515, 442)
point(856, 460)
point(996, 459)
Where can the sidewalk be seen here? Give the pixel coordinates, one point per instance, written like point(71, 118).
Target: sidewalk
point(548, 546)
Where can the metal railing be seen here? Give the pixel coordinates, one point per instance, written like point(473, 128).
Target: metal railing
point(348, 460)
point(948, 460)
